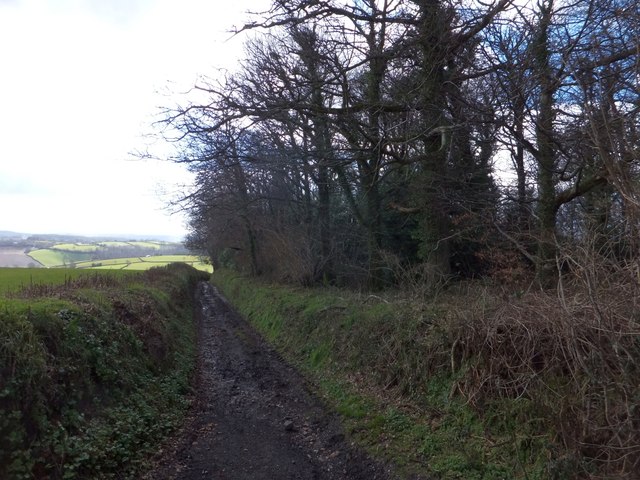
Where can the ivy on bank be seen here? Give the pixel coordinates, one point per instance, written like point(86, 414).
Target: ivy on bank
point(93, 377)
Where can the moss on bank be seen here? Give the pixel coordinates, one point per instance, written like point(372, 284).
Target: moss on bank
point(94, 374)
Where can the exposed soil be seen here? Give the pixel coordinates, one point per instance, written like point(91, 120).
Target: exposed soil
point(15, 257)
point(254, 417)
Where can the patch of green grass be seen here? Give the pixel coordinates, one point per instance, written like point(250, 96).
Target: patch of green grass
point(345, 401)
point(318, 355)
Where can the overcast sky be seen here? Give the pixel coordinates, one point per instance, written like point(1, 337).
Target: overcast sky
point(79, 85)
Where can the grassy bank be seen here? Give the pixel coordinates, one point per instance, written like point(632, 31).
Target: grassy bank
point(94, 372)
point(470, 385)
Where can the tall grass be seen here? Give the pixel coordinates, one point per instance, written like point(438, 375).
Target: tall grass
point(13, 279)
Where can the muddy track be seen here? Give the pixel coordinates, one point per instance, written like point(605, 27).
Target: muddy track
point(254, 417)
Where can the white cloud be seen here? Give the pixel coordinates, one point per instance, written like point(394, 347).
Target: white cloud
point(79, 88)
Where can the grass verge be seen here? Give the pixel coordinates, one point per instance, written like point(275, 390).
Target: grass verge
point(468, 386)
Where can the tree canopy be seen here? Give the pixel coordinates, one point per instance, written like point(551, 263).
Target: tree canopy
point(365, 142)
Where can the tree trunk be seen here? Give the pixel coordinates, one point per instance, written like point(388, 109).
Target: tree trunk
point(435, 220)
point(321, 143)
point(546, 234)
point(521, 172)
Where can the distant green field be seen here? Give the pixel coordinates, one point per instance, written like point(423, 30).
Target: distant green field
point(142, 266)
point(85, 255)
point(76, 247)
point(57, 258)
point(14, 278)
point(114, 244)
point(171, 258)
point(144, 263)
point(107, 262)
point(134, 243)
point(155, 245)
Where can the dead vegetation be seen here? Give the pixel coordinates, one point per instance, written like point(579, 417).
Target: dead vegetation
point(573, 353)
point(563, 362)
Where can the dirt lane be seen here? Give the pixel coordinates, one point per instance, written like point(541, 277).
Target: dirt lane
point(254, 418)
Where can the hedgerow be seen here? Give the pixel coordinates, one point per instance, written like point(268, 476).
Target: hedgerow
point(94, 373)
